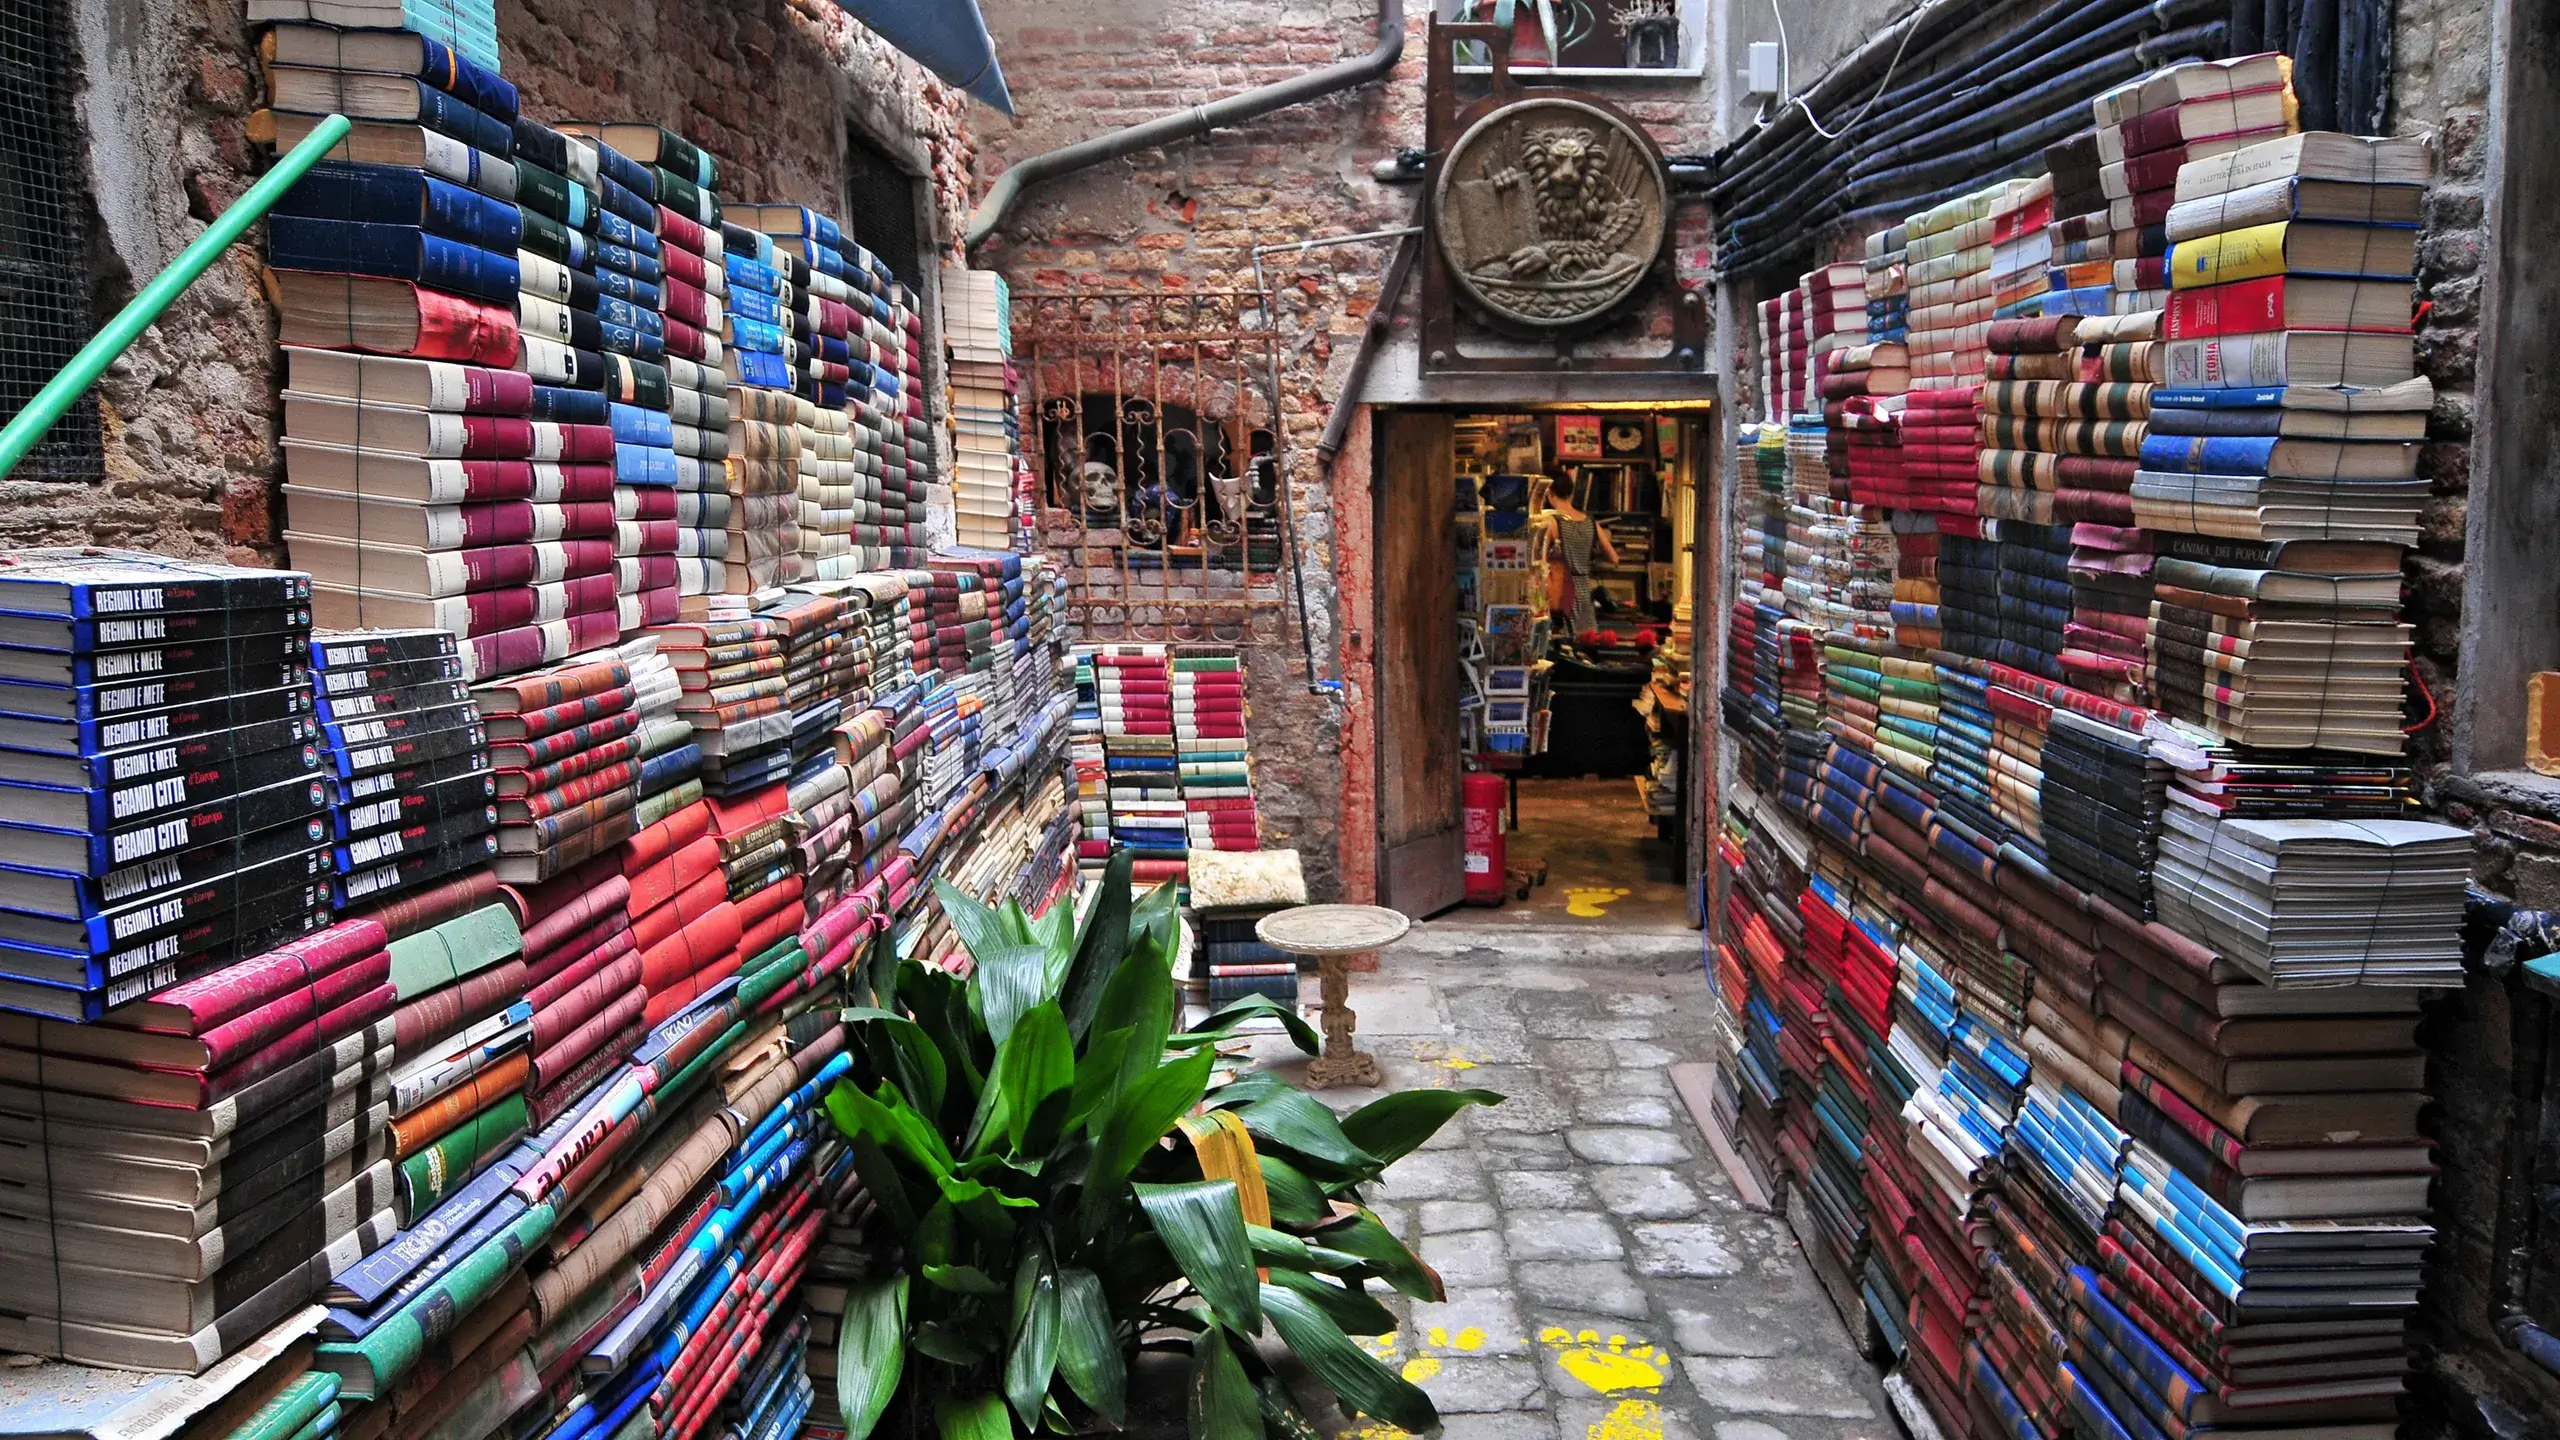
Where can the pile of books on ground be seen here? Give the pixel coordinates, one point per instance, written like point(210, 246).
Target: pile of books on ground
point(1209, 718)
point(1141, 758)
point(416, 797)
point(977, 318)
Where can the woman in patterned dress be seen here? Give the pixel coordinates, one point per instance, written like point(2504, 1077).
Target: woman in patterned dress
point(1573, 537)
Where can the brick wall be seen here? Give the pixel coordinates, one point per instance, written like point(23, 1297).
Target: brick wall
point(1188, 217)
point(189, 413)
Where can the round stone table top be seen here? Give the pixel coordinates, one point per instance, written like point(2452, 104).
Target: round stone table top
point(1332, 929)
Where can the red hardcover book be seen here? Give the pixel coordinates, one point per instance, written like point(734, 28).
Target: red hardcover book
point(375, 1005)
point(572, 793)
point(534, 754)
point(201, 1005)
point(561, 484)
point(551, 913)
point(431, 1017)
point(531, 785)
point(710, 940)
point(534, 693)
point(572, 444)
point(621, 1011)
point(698, 898)
point(326, 992)
point(564, 972)
point(555, 1096)
point(398, 318)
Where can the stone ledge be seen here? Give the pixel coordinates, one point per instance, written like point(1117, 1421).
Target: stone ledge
point(2535, 795)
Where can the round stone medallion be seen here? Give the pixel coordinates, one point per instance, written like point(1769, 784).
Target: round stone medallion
point(1551, 212)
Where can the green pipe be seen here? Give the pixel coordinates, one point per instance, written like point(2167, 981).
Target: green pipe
point(29, 425)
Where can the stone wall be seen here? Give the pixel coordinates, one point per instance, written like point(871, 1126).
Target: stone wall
point(189, 412)
point(1188, 217)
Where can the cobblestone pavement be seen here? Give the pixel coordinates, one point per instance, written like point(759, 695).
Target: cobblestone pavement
point(1604, 1281)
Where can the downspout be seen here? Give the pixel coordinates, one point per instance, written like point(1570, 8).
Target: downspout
point(1192, 123)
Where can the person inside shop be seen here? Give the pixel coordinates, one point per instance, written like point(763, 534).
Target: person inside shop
point(1572, 537)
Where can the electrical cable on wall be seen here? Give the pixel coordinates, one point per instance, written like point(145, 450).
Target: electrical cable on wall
point(1786, 81)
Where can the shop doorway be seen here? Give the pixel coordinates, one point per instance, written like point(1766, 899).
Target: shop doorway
point(1537, 590)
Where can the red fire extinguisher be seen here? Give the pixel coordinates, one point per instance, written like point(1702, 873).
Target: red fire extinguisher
point(1487, 851)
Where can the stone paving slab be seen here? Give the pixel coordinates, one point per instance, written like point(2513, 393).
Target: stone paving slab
point(1604, 1281)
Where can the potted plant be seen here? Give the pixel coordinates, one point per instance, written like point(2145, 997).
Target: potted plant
point(1652, 28)
point(1066, 1176)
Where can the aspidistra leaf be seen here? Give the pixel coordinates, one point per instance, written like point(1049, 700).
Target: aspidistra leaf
point(1259, 1007)
point(1139, 1119)
point(1381, 1254)
point(1348, 1306)
point(1394, 1126)
point(961, 1280)
point(1088, 1347)
point(1354, 1374)
point(1100, 944)
point(1297, 1121)
point(1202, 1225)
point(1224, 1404)
point(978, 1418)
point(1033, 1355)
point(871, 1352)
point(1295, 1199)
point(1037, 1062)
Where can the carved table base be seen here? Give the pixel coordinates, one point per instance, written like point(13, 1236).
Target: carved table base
point(1343, 1064)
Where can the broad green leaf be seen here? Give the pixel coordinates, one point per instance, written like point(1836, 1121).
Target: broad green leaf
point(1037, 1062)
point(1033, 1355)
point(1276, 1247)
point(913, 1059)
point(1351, 1307)
point(1224, 1405)
point(1016, 922)
point(1257, 1007)
point(1138, 1119)
point(981, 929)
point(938, 1234)
point(1295, 1199)
point(891, 1121)
point(1140, 1000)
point(1097, 1074)
point(1010, 980)
point(1089, 1346)
point(880, 1176)
point(961, 1280)
point(981, 1418)
point(1247, 1088)
point(951, 1345)
point(1297, 1121)
point(1157, 913)
point(1357, 1379)
point(1203, 1226)
point(1101, 942)
point(940, 1005)
point(1381, 1254)
point(983, 1209)
point(1394, 1126)
point(871, 1351)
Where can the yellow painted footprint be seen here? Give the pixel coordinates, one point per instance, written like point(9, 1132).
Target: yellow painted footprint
point(1591, 902)
point(1417, 1368)
point(1614, 1368)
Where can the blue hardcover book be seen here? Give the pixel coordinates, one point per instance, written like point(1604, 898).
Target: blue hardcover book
point(471, 80)
point(2097, 1422)
point(495, 1217)
point(613, 283)
point(672, 767)
point(2162, 1375)
point(758, 307)
point(2254, 397)
point(637, 344)
point(399, 195)
point(620, 199)
point(565, 406)
point(752, 273)
point(450, 114)
point(613, 311)
point(362, 1285)
point(617, 229)
point(763, 339)
point(637, 426)
point(2103, 1370)
point(2208, 454)
point(644, 465)
point(630, 174)
point(2185, 420)
point(638, 264)
point(398, 252)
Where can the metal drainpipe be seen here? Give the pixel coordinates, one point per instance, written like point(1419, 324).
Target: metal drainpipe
point(1189, 124)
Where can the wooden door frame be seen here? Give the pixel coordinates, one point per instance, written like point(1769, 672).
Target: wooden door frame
point(1440, 854)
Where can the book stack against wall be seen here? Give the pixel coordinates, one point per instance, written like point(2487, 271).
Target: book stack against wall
point(977, 326)
point(566, 743)
point(1765, 854)
point(807, 245)
point(2276, 622)
point(1863, 399)
point(921, 459)
point(2021, 274)
point(2105, 641)
point(165, 807)
point(1947, 265)
point(460, 1057)
point(2081, 237)
point(1087, 755)
point(1210, 713)
point(195, 1168)
point(1134, 685)
point(626, 261)
point(1230, 896)
point(764, 418)
point(1888, 288)
point(413, 492)
point(886, 392)
point(416, 797)
point(1826, 1119)
point(2147, 129)
point(1835, 307)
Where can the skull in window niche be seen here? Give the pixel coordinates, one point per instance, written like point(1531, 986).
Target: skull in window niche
point(1099, 479)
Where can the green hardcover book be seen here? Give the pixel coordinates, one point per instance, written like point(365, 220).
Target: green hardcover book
point(368, 1368)
point(300, 1404)
point(464, 945)
point(431, 1174)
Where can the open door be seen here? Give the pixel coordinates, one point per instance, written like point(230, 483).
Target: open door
point(1421, 832)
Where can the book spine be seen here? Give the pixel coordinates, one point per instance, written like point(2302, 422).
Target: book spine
point(2152, 1365)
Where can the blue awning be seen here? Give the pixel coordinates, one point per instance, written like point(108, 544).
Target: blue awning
point(947, 37)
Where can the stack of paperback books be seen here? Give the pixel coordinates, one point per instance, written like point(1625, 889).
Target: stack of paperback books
point(764, 419)
point(2149, 129)
point(2023, 280)
point(978, 329)
point(2100, 802)
point(196, 1170)
point(165, 804)
point(416, 800)
point(1948, 268)
point(670, 759)
point(566, 744)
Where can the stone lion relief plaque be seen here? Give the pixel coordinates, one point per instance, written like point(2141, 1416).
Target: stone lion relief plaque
point(1551, 212)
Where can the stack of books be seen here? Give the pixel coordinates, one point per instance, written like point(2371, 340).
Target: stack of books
point(810, 245)
point(2312, 902)
point(1867, 384)
point(2100, 802)
point(165, 807)
point(196, 1169)
point(460, 1058)
point(1087, 755)
point(1210, 714)
point(1888, 289)
point(2111, 589)
point(977, 320)
point(2022, 278)
point(582, 982)
point(416, 798)
point(1948, 269)
point(2149, 129)
point(732, 675)
point(2081, 236)
point(1134, 684)
point(1835, 320)
point(1960, 767)
point(566, 744)
point(764, 419)
point(878, 778)
point(670, 759)
point(757, 833)
point(914, 463)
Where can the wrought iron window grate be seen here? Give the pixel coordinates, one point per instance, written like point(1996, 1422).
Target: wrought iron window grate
point(44, 243)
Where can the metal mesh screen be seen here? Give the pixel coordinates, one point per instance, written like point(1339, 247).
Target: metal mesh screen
point(44, 279)
point(880, 209)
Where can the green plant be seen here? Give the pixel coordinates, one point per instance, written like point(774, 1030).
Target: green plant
point(1056, 1206)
